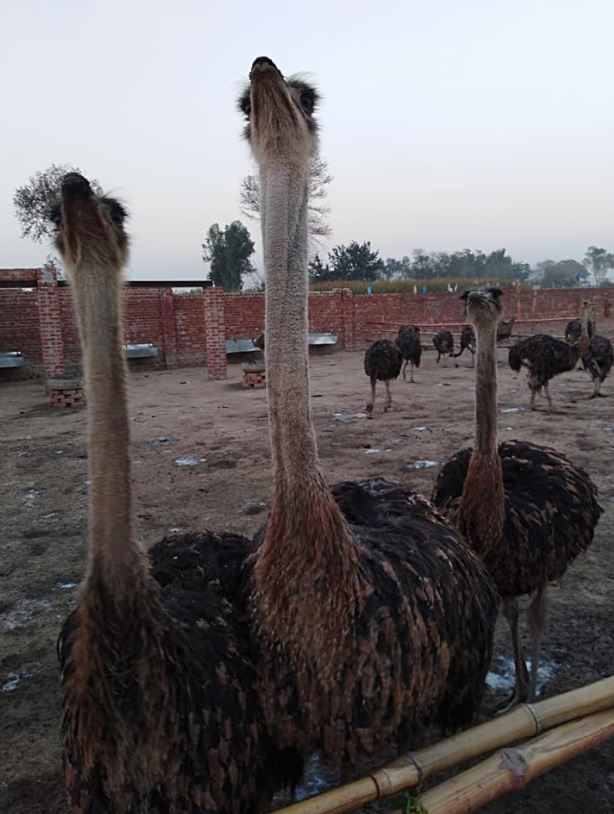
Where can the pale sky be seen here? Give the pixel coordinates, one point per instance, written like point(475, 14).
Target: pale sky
point(446, 123)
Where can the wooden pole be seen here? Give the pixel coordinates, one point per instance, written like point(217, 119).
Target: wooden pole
point(512, 769)
point(525, 721)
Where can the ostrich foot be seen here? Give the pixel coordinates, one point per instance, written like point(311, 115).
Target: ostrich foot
point(519, 696)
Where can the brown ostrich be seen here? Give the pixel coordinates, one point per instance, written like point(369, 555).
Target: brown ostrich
point(525, 509)
point(382, 363)
point(160, 712)
point(598, 357)
point(444, 345)
point(545, 357)
point(467, 341)
point(408, 342)
point(373, 616)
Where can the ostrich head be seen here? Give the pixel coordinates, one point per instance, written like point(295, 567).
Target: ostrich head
point(279, 113)
point(89, 227)
point(483, 306)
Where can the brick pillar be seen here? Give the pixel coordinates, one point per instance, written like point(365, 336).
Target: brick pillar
point(215, 332)
point(347, 318)
point(52, 343)
point(169, 327)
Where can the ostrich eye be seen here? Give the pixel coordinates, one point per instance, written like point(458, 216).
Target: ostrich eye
point(117, 214)
point(307, 102)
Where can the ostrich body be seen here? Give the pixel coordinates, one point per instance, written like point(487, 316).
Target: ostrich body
point(408, 342)
point(598, 357)
point(382, 362)
point(526, 510)
point(159, 704)
point(373, 615)
point(546, 357)
point(444, 345)
point(467, 341)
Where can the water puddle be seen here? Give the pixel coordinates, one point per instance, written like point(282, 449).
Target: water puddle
point(23, 612)
point(14, 681)
point(65, 586)
point(190, 460)
point(503, 676)
point(344, 418)
point(317, 778)
point(419, 429)
point(421, 464)
point(506, 410)
point(32, 496)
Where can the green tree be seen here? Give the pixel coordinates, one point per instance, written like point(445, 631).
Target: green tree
point(319, 180)
point(318, 272)
point(396, 269)
point(228, 252)
point(355, 262)
point(34, 200)
point(599, 262)
point(560, 273)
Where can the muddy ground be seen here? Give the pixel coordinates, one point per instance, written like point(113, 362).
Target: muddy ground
point(220, 432)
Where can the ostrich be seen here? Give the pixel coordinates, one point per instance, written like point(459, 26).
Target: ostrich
point(597, 359)
point(382, 362)
point(525, 509)
point(444, 345)
point(573, 331)
point(467, 340)
point(408, 342)
point(504, 331)
point(373, 616)
point(546, 357)
point(160, 711)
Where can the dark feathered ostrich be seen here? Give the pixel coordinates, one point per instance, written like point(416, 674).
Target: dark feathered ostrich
point(382, 363)
point(373, 615)
point(467, 341)
point(525, 509)
point(504, 331)
point(598, 358)
point(444, 345)
point(546, 357)
point(408, 342)
point(160, 711)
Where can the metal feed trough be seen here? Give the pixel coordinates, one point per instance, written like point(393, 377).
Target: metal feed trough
point(12, 358)
point(143, 350)
point(322, 339)
point(240, 346)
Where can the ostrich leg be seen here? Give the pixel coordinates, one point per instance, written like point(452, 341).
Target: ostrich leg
point(371, 399)
point(388, 397)
point(537, 618)
point(510, 609)
point(405, 368)
point(411, 373)
point(546, 391)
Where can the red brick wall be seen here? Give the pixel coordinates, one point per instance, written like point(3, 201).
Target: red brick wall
point(176, 322)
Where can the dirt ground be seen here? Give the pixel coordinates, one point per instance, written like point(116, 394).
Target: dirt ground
point(219, 431)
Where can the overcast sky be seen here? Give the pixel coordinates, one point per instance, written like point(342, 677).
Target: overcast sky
point(446, 123)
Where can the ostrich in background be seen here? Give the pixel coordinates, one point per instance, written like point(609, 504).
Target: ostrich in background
point(374, 617)
point(382, 363)
point(467, 340)
point(598, 358)
point(160, 711)
point(444, 345)
point(525, 509)
point(408, 342)
point(546, 357)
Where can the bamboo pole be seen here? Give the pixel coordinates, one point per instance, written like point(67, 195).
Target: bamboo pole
point(512, 769)
point(525, 721)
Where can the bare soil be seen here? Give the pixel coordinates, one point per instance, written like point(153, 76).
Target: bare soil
point(223, 427)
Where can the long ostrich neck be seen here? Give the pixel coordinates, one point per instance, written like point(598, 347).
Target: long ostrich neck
point(482, 507)
point(113, 551)
point(486, 390)
point(284, 230)
point(307, 572)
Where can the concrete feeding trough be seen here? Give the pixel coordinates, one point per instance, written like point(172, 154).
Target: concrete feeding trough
point(11, 358)
point(142, 350)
